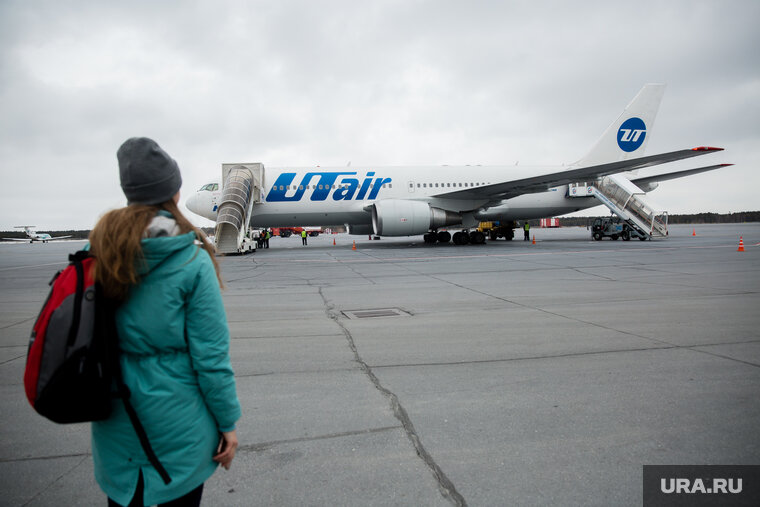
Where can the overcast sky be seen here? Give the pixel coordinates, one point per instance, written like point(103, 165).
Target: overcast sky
point(407, 82)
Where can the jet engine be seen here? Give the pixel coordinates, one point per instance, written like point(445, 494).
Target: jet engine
point(648, 187)
point(394, 217)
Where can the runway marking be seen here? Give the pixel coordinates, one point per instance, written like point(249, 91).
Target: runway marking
point(372, 258)
point(263, 446)
point(36, 458)
point(35, 266)
point(13, 359)
point(665, 346)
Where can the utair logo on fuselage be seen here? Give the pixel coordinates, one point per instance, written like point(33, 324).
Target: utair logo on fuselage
point(631, 134)
point(324, 184)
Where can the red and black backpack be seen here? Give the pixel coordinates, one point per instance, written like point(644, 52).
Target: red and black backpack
point(69, 366)
point(72, 367)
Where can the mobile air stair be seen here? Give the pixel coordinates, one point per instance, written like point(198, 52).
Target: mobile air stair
point(625, 200)
point(241, 189)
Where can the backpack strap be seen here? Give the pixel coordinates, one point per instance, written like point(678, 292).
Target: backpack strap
point(144, 442)
point(76, 259)
point(123, 390)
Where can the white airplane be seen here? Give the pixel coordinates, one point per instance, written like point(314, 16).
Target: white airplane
point(32, 236)
point(406, 201)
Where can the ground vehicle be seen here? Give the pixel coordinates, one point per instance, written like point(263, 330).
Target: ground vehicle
point(286, 232)
point(498, 229)
point(615, 228)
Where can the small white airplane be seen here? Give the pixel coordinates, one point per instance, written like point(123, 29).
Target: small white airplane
point(32, 236)
point(406, 201)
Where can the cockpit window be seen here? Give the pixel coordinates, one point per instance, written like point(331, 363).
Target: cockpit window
point(211, 187)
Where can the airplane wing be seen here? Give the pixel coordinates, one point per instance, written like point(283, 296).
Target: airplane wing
point(644, 180)
point(26, 240)
point(543, 183)
point(57, 237)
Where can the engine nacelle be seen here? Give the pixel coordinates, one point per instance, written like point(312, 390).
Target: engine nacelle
point(393, 217)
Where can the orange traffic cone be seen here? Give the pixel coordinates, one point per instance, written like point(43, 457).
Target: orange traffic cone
point(534, 239)
point(333, 241)
point(354, 247)
point(694, 232)
point(741, 245)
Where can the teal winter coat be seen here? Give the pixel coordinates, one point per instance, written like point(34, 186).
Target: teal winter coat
point(175, 360)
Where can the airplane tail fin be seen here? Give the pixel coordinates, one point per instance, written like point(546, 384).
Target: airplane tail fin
point(628, 135)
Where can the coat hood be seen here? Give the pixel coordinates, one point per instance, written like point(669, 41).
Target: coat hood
point(157, 250)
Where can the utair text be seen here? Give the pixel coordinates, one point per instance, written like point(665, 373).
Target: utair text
point(325, 184)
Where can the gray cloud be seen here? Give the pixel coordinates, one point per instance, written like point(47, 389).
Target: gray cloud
point(386, 83)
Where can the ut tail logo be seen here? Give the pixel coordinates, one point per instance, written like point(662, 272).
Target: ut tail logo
point(631, 134)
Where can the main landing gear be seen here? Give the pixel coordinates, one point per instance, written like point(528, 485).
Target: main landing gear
point(459, 238)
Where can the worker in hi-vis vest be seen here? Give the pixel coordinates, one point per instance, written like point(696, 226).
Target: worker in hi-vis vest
point(303, 237)
point(526, 228)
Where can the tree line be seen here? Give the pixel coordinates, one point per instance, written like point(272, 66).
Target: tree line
point(693, 218)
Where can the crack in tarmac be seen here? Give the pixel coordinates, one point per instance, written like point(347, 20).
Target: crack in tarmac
point(445, 486)
point(263, 446)
point(64, 474)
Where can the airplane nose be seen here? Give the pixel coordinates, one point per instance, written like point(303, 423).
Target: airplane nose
point(192, 204)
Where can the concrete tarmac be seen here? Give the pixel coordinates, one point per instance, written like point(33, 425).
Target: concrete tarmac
point(509, 373)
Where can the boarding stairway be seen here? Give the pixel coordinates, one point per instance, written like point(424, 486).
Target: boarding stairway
point(625, 200)
point(241, 189)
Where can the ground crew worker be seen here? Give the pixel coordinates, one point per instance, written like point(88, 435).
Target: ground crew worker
point(526, 228)
point(267, 235)
point(303, 237)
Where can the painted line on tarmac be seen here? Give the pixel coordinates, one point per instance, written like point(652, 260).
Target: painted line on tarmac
point(35, 266)
point(369, 258)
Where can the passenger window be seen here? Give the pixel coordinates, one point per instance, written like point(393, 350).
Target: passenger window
point(300, 187)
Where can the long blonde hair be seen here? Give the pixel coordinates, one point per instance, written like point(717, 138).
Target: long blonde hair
point(116, 243)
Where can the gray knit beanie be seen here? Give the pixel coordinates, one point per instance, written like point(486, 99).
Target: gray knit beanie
point(148, 174)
